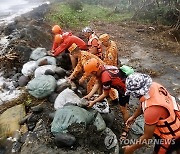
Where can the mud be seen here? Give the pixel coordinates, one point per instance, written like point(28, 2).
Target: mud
point(148, 51)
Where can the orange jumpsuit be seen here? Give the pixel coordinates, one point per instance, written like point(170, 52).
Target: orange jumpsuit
point(111, 58)
point(65, 34)
point(111, 54)
point(84, 56)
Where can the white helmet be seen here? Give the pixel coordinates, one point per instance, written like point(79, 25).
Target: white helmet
point(138, 84)
point(87, 30)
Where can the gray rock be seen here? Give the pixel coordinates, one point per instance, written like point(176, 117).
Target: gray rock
point(23, 80)
point(16, 76)
point(38, 53)
point(37, 108)
point(42, 86)
point(64, 140)
point(51, 115)
point(49, 72)
point(16, 84)
point(47, 60)
point(63, 86)
point(108, 118)
point(52, 97)
point(56, 76)
point(60, 72)
point(138, 126)
point(42, 62)
point(84, 103)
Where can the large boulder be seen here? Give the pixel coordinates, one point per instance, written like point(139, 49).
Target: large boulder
point(42, 69)
point(42, 86)
point(38, 53)
point(66, 96)
point(29, 68)
point(50, 60)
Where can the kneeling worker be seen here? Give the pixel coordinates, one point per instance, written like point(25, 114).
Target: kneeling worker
point(108, 77)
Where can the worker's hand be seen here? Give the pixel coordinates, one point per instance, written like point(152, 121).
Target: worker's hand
point(130, 121)
point(90, 104)
point(50, 53)
point(71, 77)
point(128, 149)
point(87, 97)
point(81, 81)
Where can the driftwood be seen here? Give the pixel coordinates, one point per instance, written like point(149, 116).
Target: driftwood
point(8, 56)
point(8, 61)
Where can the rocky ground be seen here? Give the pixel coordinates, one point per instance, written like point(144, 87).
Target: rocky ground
point(146, 48)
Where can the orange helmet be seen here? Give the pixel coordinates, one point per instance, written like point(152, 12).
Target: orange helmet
point(56, 29)
point(91, 65)
point(58, 38)
point(104, 37)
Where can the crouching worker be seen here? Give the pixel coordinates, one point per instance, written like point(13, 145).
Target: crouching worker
point(65, 41)
point(108, 77)
point(83, 57)
point(161, 114)
point(93, 44)
point(56, 29)
point(111, 53)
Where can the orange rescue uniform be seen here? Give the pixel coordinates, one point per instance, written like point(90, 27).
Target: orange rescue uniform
point(84, 56)
point(168, 125)
point(111, 54)
point(68, 40)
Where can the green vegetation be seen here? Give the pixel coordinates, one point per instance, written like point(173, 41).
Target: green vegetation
point(64, 15)
point(159, 15)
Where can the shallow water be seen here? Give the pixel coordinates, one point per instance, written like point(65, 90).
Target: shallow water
point(9, 9)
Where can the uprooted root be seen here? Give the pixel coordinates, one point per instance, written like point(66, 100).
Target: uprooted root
point(8, 61)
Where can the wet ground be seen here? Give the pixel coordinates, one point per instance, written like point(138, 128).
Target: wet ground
point(148, 51)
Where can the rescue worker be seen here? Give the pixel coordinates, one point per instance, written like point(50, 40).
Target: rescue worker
point(56, 29)
point(161, 114)
point(110, 55)
point(108, 77)
point(82, 57)
point(64, 42)
point(93, 44)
